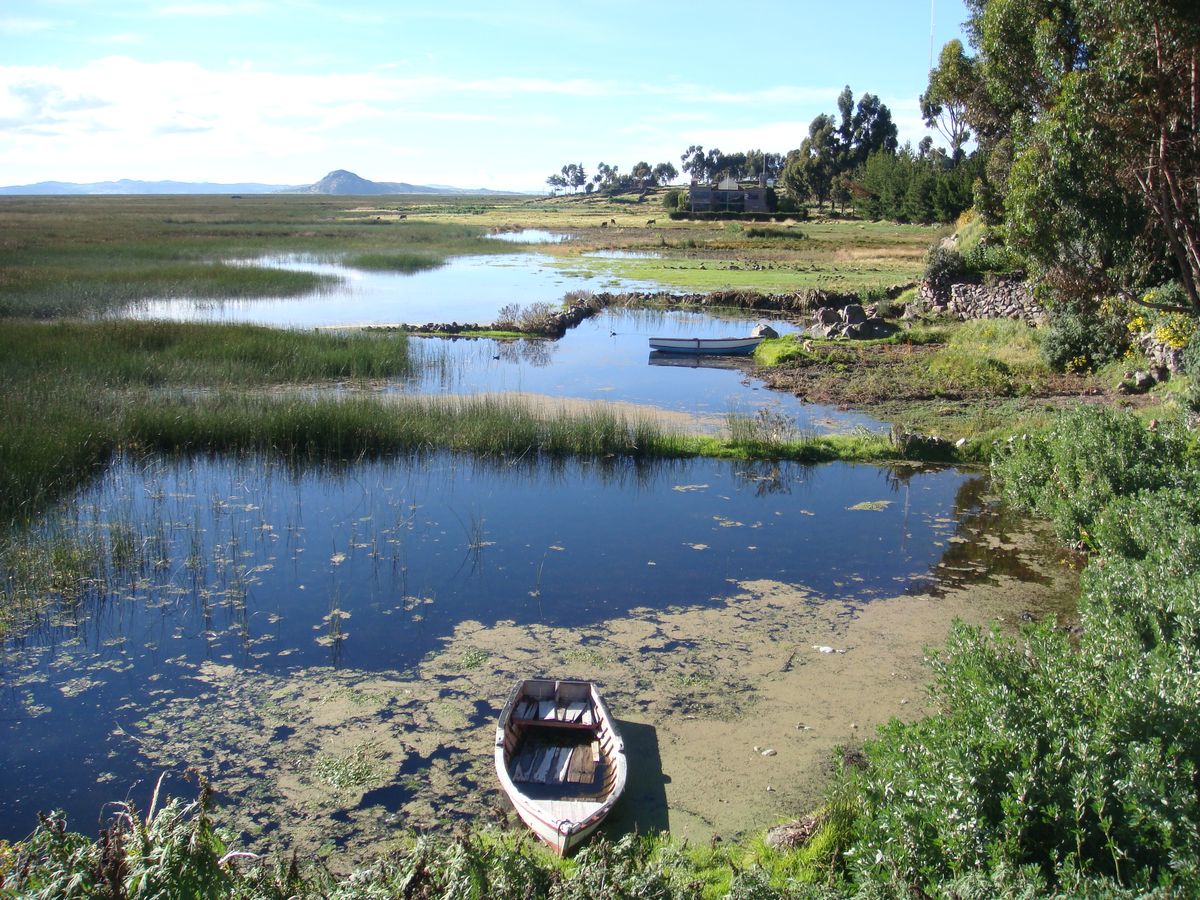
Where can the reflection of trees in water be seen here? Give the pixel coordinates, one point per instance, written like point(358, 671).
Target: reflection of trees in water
point(534, 352)
point(771, 477)
point(991, 540)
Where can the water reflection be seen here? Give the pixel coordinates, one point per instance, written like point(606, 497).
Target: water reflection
point(532, 236)
point(607, 358)
point(370, 566)
point(465, 289)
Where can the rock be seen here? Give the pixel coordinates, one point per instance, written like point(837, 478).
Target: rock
point(1142, 381)
point(826, 315)
point(764, 331)
point(853, 314)
point(911, 311)
point(768, 752)
point(1160, 373)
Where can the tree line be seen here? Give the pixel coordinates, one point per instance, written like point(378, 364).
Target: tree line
point(609, 179)
point(851, 159)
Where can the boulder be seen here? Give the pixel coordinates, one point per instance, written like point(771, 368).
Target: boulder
point(853, 314)
point(764, 331)
point(826, 315)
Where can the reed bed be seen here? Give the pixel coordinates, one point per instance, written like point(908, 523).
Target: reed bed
point(75, 256)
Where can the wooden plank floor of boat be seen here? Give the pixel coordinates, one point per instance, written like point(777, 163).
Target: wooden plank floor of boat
point(557, 770)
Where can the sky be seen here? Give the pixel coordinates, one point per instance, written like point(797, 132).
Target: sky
point(469, 93)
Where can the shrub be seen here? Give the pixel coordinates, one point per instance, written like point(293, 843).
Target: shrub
point(675, 198)
point(533, 318)
point(1076, 763)
point(943, 267)
point(1088, 458)
point(1084, 339)
point(992, 257)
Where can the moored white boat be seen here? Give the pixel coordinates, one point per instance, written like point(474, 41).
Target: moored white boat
point(559, 758)
point(730, 346)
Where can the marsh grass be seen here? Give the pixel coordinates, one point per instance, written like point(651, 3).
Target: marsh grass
point(394, 262)
point(997, 356)
point(89, 255)
point(71, 391)
point(480, 864)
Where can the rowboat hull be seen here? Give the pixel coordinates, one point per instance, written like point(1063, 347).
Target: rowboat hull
point(559, 759)
point(702, 346)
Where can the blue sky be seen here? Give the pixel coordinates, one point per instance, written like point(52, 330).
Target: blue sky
point(495, 94)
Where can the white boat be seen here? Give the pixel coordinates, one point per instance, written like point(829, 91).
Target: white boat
point(559, 758)
point(730, 346)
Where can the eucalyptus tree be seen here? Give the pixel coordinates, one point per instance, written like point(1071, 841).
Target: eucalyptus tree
point(944, 103)
point(665, 173)
point(1091, 111)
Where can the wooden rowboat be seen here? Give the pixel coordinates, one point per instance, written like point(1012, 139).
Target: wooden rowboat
point(731, 346)
point(559, 758)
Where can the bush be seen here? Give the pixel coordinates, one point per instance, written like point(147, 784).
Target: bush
point(943, 267)
point(675, 198)
point(1073, 766)
point(992, 258)
point(1081, 340)
point(534, 318)
point(1090, 456)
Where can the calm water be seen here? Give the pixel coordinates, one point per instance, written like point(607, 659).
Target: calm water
point(465, 289)
point(532, 236)
point(371, 566)
point(606, 357)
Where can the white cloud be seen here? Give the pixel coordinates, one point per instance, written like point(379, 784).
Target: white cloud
point(18, 27)
point(121, 117)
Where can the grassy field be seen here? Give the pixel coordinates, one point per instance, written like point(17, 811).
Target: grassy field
point(72, 256)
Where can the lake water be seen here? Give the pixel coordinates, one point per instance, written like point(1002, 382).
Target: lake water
point(225, 576)
point(605, 358)
point(331, 645)
point(466, 289)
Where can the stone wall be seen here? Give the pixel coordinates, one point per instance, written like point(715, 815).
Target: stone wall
point(1001, 299)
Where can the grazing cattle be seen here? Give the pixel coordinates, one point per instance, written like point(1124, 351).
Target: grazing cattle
point(652, 221)
point(612, 221)
point(603, 224)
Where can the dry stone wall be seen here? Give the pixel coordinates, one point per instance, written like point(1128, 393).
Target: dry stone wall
point(1001, 299)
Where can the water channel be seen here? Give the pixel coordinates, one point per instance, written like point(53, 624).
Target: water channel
point(605, 358)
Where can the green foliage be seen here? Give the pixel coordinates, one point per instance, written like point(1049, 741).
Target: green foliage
point(1055, 763)
point(173, 851)
point(943, 267)
point(905, 187)
point(675, 198)
point(1093, 143)
point(992, 258)
point(1082, 337)
point(1088, 458)
point(994, 357)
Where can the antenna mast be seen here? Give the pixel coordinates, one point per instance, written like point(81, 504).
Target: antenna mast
point(931, 5)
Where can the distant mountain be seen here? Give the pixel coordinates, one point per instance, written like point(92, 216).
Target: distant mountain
point(340, 181)
point(127, 186)
point(337, 182)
